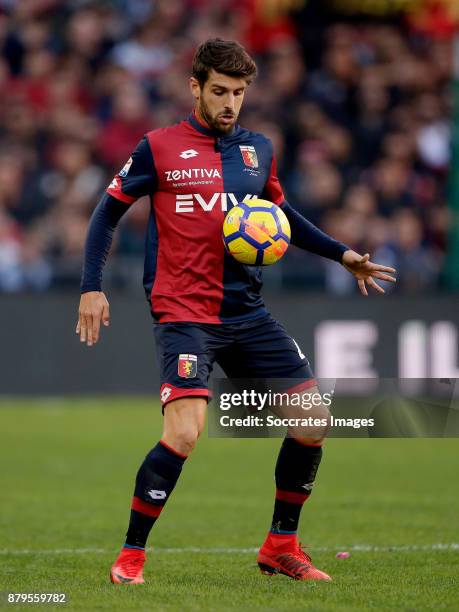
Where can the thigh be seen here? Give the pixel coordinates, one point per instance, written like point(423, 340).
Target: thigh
point(186, 353)
point(265, 350)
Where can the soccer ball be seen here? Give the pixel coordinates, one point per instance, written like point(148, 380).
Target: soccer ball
point(256, 232)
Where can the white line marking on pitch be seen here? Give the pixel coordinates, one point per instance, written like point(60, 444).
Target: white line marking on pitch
point(232, 551)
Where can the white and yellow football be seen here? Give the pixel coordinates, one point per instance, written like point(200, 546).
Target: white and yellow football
point(256, 232)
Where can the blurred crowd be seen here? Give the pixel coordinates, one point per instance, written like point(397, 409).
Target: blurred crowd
point(358, 113)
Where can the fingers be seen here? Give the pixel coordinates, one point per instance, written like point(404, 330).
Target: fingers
point(365, 258)
point(83, 327)
point(379, 268)
point(106, 315)
point(89, 328)
point(375, 285)
point(362, 287)
point(93, 312)
point(95, 330)
point(384, 277)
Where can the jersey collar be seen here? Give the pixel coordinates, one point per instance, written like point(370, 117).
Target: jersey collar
point(192, 119)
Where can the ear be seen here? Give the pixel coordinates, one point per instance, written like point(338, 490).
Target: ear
point(195, 88)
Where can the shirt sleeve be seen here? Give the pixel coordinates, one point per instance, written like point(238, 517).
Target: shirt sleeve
point(273, 190)
point(103, 222)
point(304, 234)
point(308, 237)
point(138, 176)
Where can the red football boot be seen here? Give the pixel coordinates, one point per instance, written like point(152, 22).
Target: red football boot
point(127, 569)
point(282, 554)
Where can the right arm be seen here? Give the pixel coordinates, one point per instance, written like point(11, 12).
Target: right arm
point(138, 178)
point(94, 306)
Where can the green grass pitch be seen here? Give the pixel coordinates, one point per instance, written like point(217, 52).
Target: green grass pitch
point(67, 478)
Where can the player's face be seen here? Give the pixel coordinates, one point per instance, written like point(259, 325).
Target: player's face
point(219, 101)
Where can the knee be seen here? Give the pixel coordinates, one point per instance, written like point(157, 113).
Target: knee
point(183, 439)
point(184, 421)
point(315, 432)
point(325, 417)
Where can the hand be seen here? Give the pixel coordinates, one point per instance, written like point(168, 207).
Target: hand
point(366, 271)
point(93, 310)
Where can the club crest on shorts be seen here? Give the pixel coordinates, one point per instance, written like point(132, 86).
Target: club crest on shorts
point(249, 155)
point(187, 366)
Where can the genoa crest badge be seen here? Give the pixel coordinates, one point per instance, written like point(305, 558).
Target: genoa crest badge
point(187, 366)
point(249, 155)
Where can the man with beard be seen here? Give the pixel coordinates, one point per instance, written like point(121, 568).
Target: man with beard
point(207, 307)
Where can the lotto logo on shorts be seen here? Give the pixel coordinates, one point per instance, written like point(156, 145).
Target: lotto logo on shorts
point(187, 366)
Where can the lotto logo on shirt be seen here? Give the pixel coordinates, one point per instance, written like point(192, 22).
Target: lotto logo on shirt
point(187, 366)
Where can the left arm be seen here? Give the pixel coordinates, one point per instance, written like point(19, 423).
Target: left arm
point(308, 237)
point(305, 235)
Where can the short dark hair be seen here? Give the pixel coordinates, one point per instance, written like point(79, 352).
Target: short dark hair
point(225, 56)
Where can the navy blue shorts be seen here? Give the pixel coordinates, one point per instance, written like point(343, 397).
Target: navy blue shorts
point(256, 349)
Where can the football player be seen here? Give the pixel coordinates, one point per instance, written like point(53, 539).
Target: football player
point(207, 307)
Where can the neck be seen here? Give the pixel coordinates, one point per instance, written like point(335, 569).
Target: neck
point(200, 118)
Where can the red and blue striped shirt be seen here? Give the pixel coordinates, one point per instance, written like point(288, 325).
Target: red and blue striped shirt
point(193, 175)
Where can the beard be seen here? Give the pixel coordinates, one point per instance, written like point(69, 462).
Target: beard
point(215, 122)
